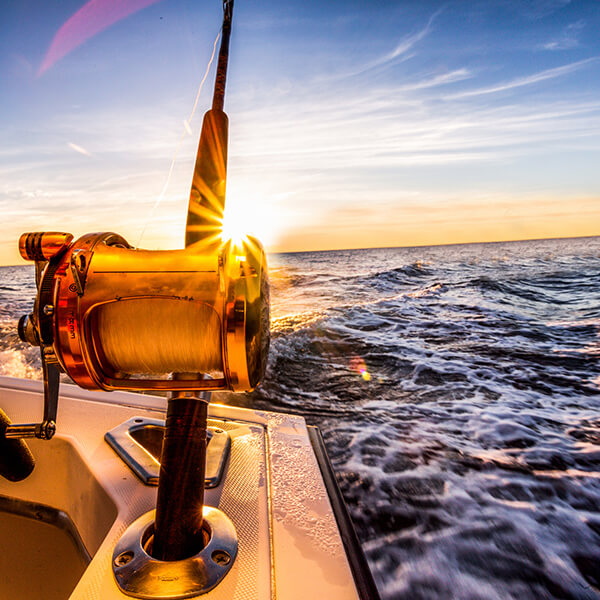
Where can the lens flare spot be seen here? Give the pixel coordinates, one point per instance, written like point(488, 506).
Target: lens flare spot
point(359, 366)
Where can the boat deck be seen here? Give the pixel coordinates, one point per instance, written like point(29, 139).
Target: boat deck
point(272, 490)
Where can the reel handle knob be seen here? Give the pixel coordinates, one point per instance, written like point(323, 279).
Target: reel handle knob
point(26, 331)
point(43, 245)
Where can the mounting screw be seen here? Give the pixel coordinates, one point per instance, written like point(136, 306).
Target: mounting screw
point(48, 430)
point(123, 558)
point(221, 557)
point(48, 309)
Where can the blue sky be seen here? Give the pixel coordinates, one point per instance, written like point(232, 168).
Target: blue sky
point(352, 124)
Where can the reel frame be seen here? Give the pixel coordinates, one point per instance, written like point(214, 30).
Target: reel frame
point(101, 268)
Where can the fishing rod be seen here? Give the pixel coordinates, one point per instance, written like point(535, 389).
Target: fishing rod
point(221, 77)
point(206, 206)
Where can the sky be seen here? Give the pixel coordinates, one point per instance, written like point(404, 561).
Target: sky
point(352, 124)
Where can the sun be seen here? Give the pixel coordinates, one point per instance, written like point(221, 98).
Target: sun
point(247, 214)
point(235, 226)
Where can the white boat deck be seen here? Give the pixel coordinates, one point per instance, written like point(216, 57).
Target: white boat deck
point(289, 543)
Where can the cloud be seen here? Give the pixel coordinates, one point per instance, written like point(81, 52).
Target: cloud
point(407, 43)
point(400, 53)
point(538, 9)
point(397, 127)
point(568, 39)
point(524, 81)
point(79, 149)
point(443, 79)
point(319, 145)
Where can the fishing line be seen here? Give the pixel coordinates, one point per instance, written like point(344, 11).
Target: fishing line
point(189, 334)
point(186, 130)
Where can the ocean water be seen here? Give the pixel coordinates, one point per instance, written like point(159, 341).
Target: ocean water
point(458, 392)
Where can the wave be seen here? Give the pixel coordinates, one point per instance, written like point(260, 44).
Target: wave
point(457, 391)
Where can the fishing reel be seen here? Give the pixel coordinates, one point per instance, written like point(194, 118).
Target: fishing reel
point(116, 317)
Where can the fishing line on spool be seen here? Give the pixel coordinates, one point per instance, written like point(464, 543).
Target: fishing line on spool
point(186, 131)
point(159, 335)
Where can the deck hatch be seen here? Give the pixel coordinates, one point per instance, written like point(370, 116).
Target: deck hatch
point(138, 442)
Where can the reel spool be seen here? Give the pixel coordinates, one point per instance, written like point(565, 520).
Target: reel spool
point(117, 317)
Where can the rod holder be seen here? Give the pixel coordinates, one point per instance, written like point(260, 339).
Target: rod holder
point(141, 575)
point(185, 545)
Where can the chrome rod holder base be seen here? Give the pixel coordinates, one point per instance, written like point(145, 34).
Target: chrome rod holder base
point(140, 575)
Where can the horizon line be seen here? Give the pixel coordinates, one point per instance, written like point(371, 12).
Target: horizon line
point(575, 237)
point(509, 241)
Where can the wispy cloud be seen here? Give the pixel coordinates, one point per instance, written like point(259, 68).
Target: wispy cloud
point(569, 38)
point(401, 52)
point(407, 43)
point(323, 143)
point(524, 81)
point(401, 135)
point(437, 80)
point(79, 149)
point(538, 9)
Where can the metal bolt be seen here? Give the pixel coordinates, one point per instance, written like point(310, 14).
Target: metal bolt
point(48, 429)
point(221, 557)
point(124, 558)
point(48, 309)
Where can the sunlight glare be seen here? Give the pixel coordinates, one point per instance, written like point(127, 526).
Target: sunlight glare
point(245, 214)
point(235, 227)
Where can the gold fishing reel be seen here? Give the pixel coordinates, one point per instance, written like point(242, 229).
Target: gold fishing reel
point(117, 317)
